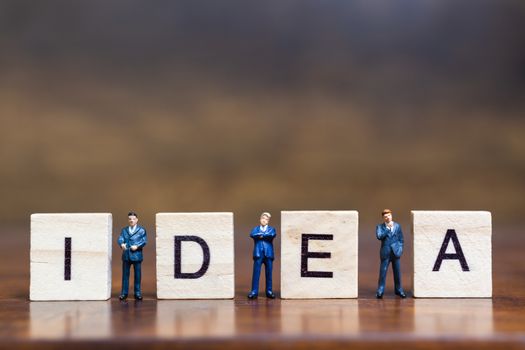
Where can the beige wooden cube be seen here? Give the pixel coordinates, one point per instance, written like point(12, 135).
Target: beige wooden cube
point(70, 256)
point(195, 256)
point(319, 254)
point(452, 254)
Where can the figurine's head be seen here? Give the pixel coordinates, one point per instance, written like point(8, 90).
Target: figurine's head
point(265, 218)
point(132, 218)
point(387, 215)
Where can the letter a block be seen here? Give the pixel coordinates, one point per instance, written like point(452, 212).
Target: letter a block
point(319, 254)
point(452, 254)
point(70, 256)
point(195, 256)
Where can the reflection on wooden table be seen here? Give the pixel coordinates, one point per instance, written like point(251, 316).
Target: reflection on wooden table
point(453, 317)
point(180, 319)
point(70, 320)
point(195, 318)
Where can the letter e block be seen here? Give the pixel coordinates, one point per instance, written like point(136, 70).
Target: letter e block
point(319, 254)
point(195, 256)
point(452, 254)
point(70, 256)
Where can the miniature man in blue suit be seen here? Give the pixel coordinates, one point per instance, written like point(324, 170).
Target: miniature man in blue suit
point(391, 237)
point(132, 239)
point(262, 236)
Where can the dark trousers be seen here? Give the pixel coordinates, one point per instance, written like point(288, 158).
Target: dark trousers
point(383, 268)
point(126, 267)
point(257, 262)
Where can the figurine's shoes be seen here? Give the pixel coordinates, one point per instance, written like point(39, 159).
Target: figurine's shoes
point(270, 295)
point(401, 294)
point(138, 297)
point(379, 295)
point(252, 296)
point(123, 297)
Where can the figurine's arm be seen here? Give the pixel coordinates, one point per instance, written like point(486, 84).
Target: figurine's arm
point(380, 234)
point(401, 240)
point(270, 234)
point(256, 234)
point(143, 241)
point(121, 241)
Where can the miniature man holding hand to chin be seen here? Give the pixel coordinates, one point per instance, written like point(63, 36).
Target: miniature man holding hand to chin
point(391, 237)
point(132, 239)
point(262, 236)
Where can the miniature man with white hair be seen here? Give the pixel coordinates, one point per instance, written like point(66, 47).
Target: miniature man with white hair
point(262, 236)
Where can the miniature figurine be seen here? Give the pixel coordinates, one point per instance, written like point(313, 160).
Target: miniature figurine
point(132, 239)
point(263, 236)
point(391, 237)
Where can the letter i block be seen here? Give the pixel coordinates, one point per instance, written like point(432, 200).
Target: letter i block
point(319, 254)
point(195, 256)
point(452, 254)
point(70, 256)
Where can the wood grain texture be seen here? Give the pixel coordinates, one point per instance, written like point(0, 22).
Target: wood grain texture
point(295, 324)
point(467, 277)
point(84, 273)
point(215, 230)
point(327, 243)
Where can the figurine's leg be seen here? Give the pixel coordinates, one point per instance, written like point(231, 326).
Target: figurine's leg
point(125, 278)
point(268, 274)
point(396, 268)
point(257, 262)
point(138, 274)
point(383, 267)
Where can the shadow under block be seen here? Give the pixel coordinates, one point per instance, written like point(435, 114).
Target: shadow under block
point(319, 254)
point(70, 256)
point(195, 256)
point(452, 254)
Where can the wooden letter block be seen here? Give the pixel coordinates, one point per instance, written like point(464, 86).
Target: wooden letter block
point(195, 256)
point(452, 254)
point(319, 254)
point(70, 256)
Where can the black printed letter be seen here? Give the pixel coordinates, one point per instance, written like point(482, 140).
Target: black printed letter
point(305, 255)
point(205, 251)
point(451, 235)
point(67, 259)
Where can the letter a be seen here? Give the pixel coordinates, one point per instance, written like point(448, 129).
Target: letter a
point(451, 235)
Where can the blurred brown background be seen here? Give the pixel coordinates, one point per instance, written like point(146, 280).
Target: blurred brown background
point(249, 106)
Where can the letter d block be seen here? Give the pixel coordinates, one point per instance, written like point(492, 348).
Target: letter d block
point(319, 254)
point(452, 254)
point(195, 256)
point(70, 256)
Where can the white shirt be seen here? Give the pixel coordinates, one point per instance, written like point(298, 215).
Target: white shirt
point(391, 227)
point(132, 229)
point(263, 228)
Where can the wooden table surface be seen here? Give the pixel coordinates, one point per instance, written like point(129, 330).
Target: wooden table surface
point(358, 323)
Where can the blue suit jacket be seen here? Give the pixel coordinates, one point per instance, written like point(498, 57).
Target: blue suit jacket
point(263, 246)
point(138, 238)
point(391, 241)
